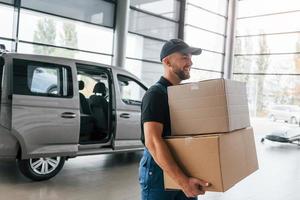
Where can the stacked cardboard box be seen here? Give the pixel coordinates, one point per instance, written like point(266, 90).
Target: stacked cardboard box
point(211, 135)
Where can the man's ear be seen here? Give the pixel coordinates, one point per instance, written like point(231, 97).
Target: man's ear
point(166, 61)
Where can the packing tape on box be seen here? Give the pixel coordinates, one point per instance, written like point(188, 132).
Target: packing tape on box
point(188, 140)
point(194, 87)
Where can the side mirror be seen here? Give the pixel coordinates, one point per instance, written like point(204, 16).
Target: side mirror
point(2, 48)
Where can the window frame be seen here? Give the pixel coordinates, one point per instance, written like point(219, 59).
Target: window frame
point(40, 64)
point(137, 82)
point(98, 68)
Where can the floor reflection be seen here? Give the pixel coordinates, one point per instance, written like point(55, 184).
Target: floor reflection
point(115, 176)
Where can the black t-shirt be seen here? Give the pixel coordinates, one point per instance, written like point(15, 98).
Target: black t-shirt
point(155, 107)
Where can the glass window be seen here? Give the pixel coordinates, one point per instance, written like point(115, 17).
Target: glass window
point(200, 75)
point(90, 76)
point(262, 94)
point(42, 79)
point(208, 60)
point(131, 91)
point(258, 25)
point(7, 13)
point(218, 6)
point(7, 1)
point(283, 64)
point(212, 22)
point(59, 52)
point(259, 7)
point(94, 11)
point(89, 84)
point(166, 8)
point(143, 48)
point(203, 39)
point(7, 44)
point(152, 26)
point(146, 71)
point(46, 29)
point(282, 43)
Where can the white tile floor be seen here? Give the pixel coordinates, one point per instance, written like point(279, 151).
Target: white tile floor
point(114, 177)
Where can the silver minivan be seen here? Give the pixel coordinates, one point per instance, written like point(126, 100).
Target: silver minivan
point(54, 108)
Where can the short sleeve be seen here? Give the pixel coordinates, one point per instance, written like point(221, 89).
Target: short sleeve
point(154, 107)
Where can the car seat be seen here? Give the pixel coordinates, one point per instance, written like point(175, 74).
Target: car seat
point(99, 107)
point(87, 122)
point(84, 105)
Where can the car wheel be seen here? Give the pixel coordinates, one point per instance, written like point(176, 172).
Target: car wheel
point(272, 118)
point(293, 120)
point(40, 169)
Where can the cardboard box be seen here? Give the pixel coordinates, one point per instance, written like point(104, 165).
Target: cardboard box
point(221, 159)
point(211, 106)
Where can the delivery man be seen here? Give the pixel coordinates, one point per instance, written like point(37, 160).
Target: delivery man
point(155, 123)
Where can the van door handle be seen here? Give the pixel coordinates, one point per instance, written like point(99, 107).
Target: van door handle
point(68, 115)
point(125, 115)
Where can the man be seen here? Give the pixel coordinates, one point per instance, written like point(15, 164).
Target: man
point(155, 123)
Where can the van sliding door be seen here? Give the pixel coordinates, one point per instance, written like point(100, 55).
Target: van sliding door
point(45, 110)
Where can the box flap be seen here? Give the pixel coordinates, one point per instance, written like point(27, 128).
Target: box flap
point(196, 89)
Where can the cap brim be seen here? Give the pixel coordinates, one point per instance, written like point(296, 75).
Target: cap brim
point(192, 50)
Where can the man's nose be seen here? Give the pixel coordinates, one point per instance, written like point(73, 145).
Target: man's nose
point(190, 62)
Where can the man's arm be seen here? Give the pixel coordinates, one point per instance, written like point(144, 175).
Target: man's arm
point(162, 156)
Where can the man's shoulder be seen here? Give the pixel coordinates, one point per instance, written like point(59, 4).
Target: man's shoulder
point(155, 96)
point(157, 88)
point(154, 91)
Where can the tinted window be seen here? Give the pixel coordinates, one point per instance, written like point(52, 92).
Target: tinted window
point(131, 91)
point(42, 79)
point(152, 26)
point(6, 22)
point(7, 1)
point(166, 8)
point(93, 11)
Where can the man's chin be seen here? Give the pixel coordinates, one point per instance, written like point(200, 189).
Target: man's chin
point(183, 76)
point(187, 76)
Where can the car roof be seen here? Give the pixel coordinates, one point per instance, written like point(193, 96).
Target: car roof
point(120, 70)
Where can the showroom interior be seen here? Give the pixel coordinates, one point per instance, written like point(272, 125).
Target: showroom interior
point(252, 41)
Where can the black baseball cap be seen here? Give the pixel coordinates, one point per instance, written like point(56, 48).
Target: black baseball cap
point(178, 45)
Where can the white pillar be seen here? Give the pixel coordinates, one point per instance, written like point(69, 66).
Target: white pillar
point(230, 39)
point(121, 31)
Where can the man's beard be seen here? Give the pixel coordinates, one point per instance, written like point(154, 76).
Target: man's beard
point(180, 73)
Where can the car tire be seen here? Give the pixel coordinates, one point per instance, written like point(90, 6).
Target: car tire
point(293, 120)
point(40, 169)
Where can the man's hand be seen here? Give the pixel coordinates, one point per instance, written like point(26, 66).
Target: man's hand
point(193, 187)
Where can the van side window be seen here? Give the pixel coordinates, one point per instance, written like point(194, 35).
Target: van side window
point(131, 91)
point(42, 79)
